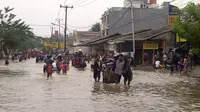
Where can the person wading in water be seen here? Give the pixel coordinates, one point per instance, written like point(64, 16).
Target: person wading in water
point(49, 67)
point(127, 71)
point(119, 68)
point(6, 61)
point(97, 69)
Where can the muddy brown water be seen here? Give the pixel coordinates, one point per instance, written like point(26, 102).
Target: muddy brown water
point(24, 88)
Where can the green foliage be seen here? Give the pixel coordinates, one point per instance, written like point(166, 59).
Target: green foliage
point(15, 34)
point(189, 26)
point(95, 28)
point(196, 51)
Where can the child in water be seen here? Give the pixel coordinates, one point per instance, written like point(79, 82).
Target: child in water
point(65, 67)
point(49, 71)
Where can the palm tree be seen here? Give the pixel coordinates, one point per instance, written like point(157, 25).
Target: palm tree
point(13, 33)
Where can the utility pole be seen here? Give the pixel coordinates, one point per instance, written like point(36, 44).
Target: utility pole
point(59, 35)
point(52, 28)
point(133, 27)
point(65, 32)
point(51, 31)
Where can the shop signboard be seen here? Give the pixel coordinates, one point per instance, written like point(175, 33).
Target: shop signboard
point(47, 44)
point(173, 17)
point(150, 45)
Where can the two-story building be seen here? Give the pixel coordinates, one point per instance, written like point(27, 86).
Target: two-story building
point(80, 37)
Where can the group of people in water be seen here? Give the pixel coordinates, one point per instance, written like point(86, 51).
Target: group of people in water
point(175, 59)
point(57, 65)
point(17, 56)
point(113, 67)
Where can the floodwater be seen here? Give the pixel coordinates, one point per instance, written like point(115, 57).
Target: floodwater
point(24, 88)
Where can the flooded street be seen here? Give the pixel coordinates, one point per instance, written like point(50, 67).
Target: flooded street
point(24, 88)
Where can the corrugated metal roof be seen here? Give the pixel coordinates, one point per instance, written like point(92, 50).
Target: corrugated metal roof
point(99, 39)
point(139, 35)
point(151, 34)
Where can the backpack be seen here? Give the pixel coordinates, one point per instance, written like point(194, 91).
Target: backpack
point(49, 68)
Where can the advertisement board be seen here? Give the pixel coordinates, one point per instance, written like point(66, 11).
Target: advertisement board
point(173, 20)
point(173, 10)
point(150, 45)
point(54, 44)
point(47, 44)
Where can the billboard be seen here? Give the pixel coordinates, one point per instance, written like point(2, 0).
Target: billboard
point(173, 20)
point(173, 10)
point(173, 17)
point(55, 44)
point(150, 45)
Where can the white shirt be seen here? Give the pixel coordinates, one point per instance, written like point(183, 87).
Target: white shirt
point(54, 65)
point(157, 63)
point(92, 61)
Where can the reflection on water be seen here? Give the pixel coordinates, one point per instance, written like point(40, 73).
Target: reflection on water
point(24, 88)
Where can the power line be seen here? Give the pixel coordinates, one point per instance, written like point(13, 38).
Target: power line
point(80, 2)
point(69, 12)
point(144, 17)
point(74, 2)
point(65, 2)
point(86, 4)
point(60, 9)
point(120, 11)
point(69, 30)
point(119, 19)
point(58, 13)
point(80, 26)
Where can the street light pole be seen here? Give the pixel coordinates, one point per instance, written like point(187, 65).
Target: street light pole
point(133, 27)
point(65, 32)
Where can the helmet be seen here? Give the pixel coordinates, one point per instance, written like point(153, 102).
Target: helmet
point(115, 55)
point(79, 50)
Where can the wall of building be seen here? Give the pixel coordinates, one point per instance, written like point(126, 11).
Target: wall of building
point(136, 3)
point(84, 49)
point(144, 19)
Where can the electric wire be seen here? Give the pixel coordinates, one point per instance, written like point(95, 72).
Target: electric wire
point(86, 4)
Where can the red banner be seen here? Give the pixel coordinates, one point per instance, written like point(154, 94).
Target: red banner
point(153, 1)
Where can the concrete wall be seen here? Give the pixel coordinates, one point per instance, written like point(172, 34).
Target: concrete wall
point(85, 50)
point(143, 19)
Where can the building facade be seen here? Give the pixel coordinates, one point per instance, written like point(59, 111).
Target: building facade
point(80, 37)
point(137, 3)
point(118, 20)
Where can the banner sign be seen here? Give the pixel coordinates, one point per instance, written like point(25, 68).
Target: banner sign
point(47, 44)
point(173, 20)
point(179, 39)
point(153, 1)
point(150, 45)
point(173, 10)
point(54, 44)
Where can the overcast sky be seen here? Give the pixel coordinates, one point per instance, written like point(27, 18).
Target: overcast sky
point(43, 12)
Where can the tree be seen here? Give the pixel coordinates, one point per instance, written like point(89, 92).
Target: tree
point(189, 26)
point(95, 28)
point(14, 33)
